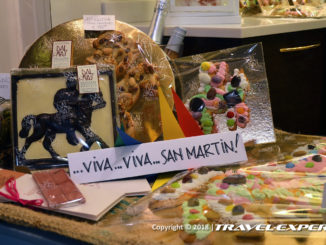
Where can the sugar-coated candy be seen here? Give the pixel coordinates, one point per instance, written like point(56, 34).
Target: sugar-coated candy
point(205, 66)
point(187, 179)
point(235, 179)
point(211, 94)
point(290, 165)
point(311, 147)
point(196, 114)
point(193, 202)
point(203, 170)
point(242, 119)
point(232, 98)
point(230, 122)
point(212, 69)
point(204, 78)
point(317, 158)
point(309, 165)
point(217, 80)
point(230, 114)
point(224, 186)
point(237, 210)
point(196, 105)
point(240, 110)
point(248, 217)
point(235, 81)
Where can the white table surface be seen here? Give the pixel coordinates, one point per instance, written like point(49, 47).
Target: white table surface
point(249, 27)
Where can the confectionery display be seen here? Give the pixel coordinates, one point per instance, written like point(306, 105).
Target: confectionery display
point(225, 93)
point(275, 193)
point(61, 120)
point(220, 93)
point(283, 8)
point(271, 177)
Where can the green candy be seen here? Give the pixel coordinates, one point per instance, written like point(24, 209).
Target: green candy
point(220, 96)
point(200, 96)
point(241, 93)
point(193, 216)
point(310, 165)
point(258, 195)
point(207, 123)
point(207, 88)
point(250, 176)
point(175, 185)
point(230, 122)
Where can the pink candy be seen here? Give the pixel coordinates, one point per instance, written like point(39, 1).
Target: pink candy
point(212, 69)
point(247, 217)
point(193, 211)
point(224, 186)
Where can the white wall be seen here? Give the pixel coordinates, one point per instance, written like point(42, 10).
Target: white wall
point(21, 23)
point(130, 11)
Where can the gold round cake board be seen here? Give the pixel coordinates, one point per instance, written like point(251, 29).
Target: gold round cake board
point(40, 55)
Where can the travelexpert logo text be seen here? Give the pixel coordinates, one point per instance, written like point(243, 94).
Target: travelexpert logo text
point(242, 227)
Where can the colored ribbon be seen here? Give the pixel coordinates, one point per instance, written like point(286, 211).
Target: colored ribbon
point(14, 195)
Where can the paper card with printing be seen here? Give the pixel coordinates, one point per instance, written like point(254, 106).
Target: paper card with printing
point(61, 54)
point(99, 22)
point(157, 157)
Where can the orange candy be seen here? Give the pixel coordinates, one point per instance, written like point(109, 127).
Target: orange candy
point(220, 192)
point(217, 177)
point(240, 110)
point(205, 207)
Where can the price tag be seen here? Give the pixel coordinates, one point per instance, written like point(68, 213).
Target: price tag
point(88, 79)
point(156, 157)
point(5, 86)
point(61, 54)
point(99, 22)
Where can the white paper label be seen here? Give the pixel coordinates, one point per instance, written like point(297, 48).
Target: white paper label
point(61, 54)
point(88, 79)
point(157, 157)
point(99, 22)
point(5, 86)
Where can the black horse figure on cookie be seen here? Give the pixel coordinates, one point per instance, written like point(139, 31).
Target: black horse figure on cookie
point(74, 114)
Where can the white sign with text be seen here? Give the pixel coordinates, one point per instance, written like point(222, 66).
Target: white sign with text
point(5, 85)
point(99, 22)
point(157, 157)
point(61, 54)
point(88, 79)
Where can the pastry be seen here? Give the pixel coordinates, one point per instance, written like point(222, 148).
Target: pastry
point(135, 75)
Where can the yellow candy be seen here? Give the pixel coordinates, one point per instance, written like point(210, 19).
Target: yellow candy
point(288, 157)
point(194, 176)
point(205, 66)
point(229, 208)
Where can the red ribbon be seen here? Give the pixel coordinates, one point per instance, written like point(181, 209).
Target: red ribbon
point(14, 195)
